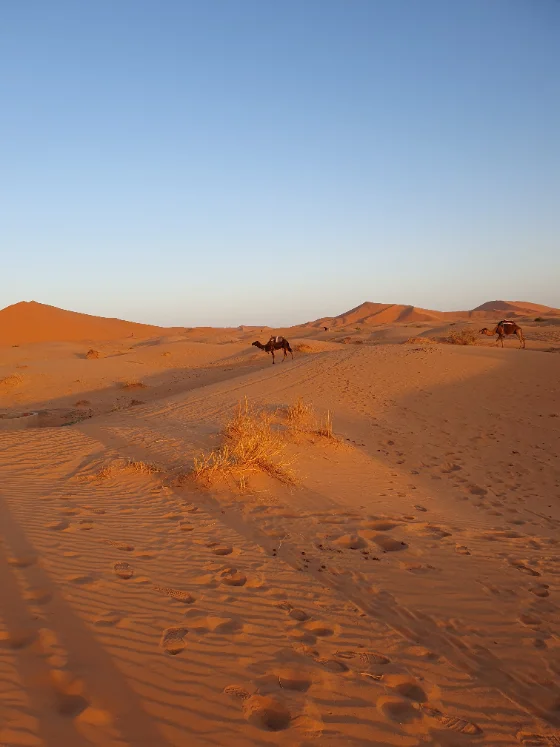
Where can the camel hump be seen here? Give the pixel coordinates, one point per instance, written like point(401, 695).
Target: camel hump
point(506, 321)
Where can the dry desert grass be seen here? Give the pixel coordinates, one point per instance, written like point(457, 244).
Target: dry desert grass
point(466, 336)
point(134, 384)
point(253, 443)
point(303, 347)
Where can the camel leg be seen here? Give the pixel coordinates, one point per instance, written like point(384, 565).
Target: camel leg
point(273, 361)
point(519, 334)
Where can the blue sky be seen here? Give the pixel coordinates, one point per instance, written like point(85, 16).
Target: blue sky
point(251, 161)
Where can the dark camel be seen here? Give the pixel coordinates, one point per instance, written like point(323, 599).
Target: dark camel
point(275, 343)
point(503, 329)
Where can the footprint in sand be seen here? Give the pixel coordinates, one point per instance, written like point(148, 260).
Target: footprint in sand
point(318, 629)
point(123, 570)
point(266, 712)
point(540, 590)
point(58, 526)
point(186, 527)
point(17, 639)
point(524, 568)
point(388, 544)
point(351, 542)
point(178, 594)
point(82, 579)
point(85, 525)
point(406, 686)
point(297, 614)
point(462, 550)
point(293, 679)
point(218, 549)
point(233, 577)
point(236, 691)
point(381, 525)
point(397, 709)
point(459, 725)
point(217, 625)
point(538, 740)
point(22, 561)
point(108, 619)
point(173, 640)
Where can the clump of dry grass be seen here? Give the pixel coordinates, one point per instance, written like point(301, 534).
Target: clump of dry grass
point(300, 414)
point(126, 465)
point(420, 341)
point(325, 428)
point(12, 380)
point(302, 347)
point(252, 444)
point(302, 419)
point(466, 336)
point(133, 385)
point(92, 354)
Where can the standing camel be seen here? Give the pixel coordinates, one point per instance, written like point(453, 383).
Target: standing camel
point(275, 343)
point(503, 329)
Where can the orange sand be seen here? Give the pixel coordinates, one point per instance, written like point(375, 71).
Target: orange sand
point(403, 592)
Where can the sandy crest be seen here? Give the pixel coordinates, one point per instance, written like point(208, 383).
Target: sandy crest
point(404, 592)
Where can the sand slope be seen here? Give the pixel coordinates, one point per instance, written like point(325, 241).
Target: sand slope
point(403, 592)
point(30, 321)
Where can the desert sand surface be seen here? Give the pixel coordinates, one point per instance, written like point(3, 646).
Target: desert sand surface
point(400, 585)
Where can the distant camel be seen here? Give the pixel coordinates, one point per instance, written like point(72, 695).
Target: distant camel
point(503, 329)
point(275, 343)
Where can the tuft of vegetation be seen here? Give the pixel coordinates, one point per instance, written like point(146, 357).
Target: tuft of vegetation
point(466, 336)
point(12, 380)
point(126, 465)
point(539, 319)
point(420, 341)
point(82, 403)
point(133, 385)
point(252, 444)
point(326, 427)
point(300, 415)
point(92, 354)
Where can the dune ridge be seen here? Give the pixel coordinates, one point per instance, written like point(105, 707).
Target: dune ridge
point(33, 322)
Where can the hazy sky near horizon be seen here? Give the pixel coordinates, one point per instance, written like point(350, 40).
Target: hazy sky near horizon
point(250, 161)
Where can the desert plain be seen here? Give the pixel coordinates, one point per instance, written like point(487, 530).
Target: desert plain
point(358, 546)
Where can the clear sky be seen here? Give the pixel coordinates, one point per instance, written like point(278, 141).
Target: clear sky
point(273, 161)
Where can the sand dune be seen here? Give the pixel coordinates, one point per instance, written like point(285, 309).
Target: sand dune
point(30, 321)
point(403, 590)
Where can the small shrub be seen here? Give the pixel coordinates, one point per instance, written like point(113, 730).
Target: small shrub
point(125, 465)
point(299, 414)
point(419, 341)
point(252, 444)
point(133, 385)
point(357, 342)
point(82, 403)
point(539, 319)
point(92, 354)
point(466, 336)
